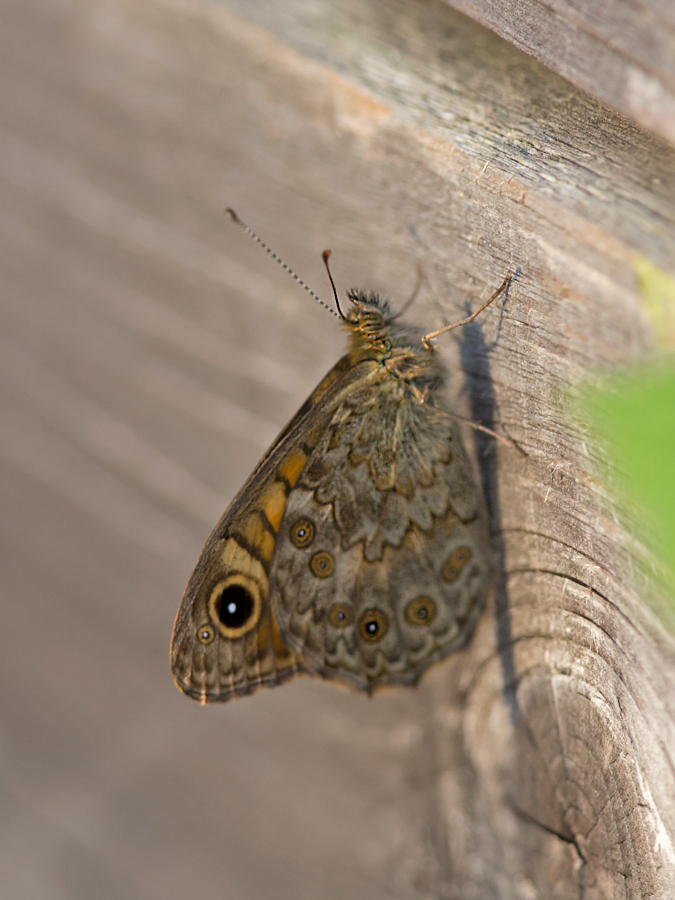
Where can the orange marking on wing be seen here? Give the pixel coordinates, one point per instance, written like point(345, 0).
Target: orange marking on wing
point(292, 466)
point(257, 536)
point(273, 503)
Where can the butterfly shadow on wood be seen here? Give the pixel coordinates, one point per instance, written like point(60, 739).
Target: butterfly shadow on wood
point(475, 358)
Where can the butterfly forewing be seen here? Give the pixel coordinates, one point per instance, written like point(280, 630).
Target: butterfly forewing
point(226, 640)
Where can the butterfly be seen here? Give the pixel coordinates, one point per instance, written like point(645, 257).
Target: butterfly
point(358, 549)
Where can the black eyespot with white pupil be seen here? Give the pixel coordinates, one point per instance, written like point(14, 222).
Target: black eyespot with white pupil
point(235, 606)
point(373, 625)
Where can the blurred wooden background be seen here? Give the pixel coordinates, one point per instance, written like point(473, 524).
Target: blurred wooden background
point(149, 353)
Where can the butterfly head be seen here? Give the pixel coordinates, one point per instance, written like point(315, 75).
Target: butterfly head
point(370, 317)
point(377, 333)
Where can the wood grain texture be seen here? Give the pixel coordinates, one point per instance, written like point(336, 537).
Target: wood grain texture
point(620, 51)
point(149, 353)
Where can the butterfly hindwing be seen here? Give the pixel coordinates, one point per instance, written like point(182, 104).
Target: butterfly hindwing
point(380, 568)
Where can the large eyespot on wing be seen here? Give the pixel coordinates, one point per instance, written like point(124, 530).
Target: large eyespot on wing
point(226, 639)
point(235, 605)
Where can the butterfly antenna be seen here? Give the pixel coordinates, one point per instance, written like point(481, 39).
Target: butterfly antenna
point(235, 218)
point(325, 255)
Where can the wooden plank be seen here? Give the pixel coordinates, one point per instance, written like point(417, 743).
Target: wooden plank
point(620, 52)
point(149, 353)
point(436, 72)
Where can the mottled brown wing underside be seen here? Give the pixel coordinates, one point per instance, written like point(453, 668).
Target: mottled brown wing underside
point(381, 565)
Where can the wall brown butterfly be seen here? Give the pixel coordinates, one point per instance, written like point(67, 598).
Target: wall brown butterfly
point(358, 548)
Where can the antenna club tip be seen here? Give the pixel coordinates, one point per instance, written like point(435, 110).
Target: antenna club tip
point(232, 214)
point(326, 254)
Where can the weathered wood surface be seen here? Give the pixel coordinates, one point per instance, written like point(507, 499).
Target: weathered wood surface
point(148, 355)
point(620, 51)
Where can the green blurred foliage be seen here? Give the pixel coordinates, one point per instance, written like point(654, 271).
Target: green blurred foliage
point(633, 414)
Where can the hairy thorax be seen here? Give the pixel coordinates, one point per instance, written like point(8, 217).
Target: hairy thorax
point(403, 363)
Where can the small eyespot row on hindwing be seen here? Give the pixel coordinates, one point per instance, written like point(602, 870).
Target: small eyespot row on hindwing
point(373, 625)
point(340, 615)
point(455, 563)
point(302, 533)
point(420, 611)
point(322, 564)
